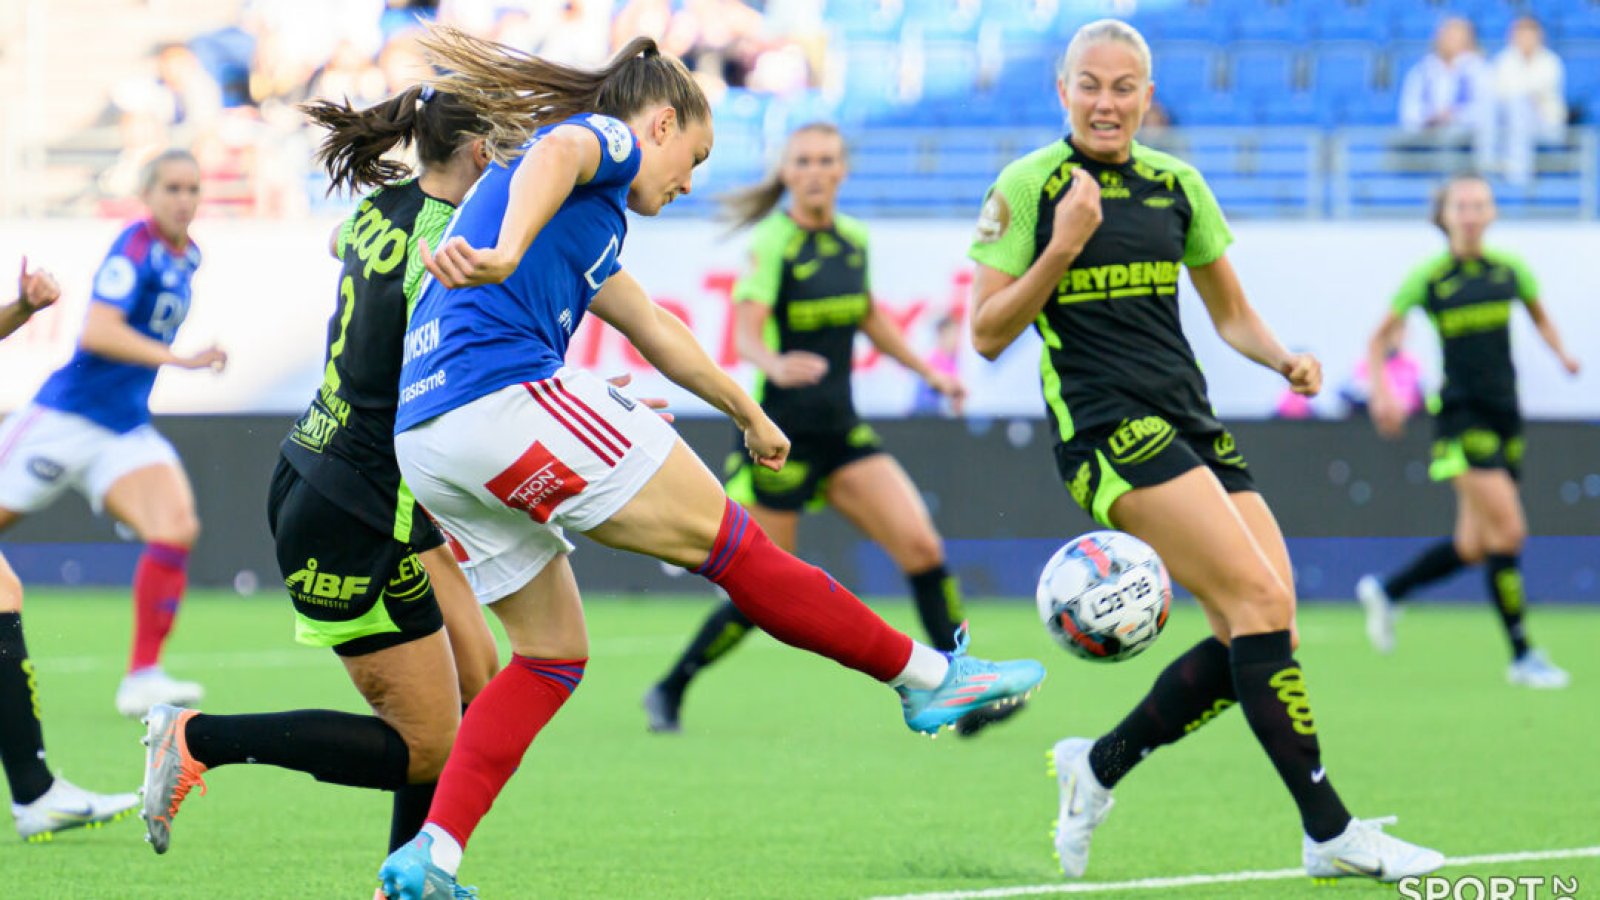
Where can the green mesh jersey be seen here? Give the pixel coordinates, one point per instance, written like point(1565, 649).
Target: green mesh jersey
point(816, 285)
point(1469, 302)
point(1113, 343)
point(344, 443)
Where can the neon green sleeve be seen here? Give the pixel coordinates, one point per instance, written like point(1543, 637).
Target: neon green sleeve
point(1413, 291)
point(761, 283)
point(1208, 236)
point(431, 221)
point(854, 231)
point(1005, 239)
point(1527, 283)
point(346, 230)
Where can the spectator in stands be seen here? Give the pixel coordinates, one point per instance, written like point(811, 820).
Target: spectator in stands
point(351, 75)
point(181, 95)
point(1448, 95)
point(1529, 83)
point(945, 358)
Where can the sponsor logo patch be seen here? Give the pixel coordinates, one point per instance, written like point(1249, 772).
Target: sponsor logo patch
point(116, 278)
point(536, 483)
point(994, 218)
point(619, 140)
point(46, 470)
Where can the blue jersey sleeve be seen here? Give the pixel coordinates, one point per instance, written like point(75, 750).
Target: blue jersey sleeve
point(117, 281)
point(619, 149)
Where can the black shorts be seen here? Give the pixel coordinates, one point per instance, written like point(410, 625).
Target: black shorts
point(1103, 463)
point(803, 481)
point(1470, 437)
point(355, 589)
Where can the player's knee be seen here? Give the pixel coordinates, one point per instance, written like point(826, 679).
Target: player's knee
point(1258, 603)
point(180, 528)
point(429, 750)
point(1506, 538)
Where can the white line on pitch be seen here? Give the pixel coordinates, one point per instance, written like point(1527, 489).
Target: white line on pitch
point(1153, 884)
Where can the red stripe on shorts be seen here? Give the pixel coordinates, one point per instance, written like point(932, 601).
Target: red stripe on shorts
point(592, 414)
point(556, 397)
point(556, 414)
point(21, 429)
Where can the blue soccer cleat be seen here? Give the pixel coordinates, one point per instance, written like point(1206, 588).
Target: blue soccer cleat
point(409, 874)
point(970, 684)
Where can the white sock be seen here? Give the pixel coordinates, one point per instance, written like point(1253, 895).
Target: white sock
point(446, 852)
point(924, 671)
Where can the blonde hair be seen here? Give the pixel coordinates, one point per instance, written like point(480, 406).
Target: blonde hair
point(1105, 31)
point(516, 94)
point(750, 204)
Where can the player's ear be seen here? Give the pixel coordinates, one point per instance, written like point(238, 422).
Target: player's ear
point(664, 124)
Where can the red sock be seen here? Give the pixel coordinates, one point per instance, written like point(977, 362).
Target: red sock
point(495, 733)
point(798, 603)
point(158, 584)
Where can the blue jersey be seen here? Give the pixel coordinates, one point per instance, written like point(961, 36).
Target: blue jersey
point(470, 342)
point(147, 280)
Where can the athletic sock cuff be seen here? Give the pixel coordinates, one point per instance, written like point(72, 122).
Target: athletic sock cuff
point(735, 532)
point(1256, 649)
point(565, 673)
point(170, 555)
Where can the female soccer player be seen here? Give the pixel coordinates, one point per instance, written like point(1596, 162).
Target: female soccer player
point(1084, 239)
point(89, 427)
point(1468, 293)
point(798, 312)
point(507, 447)
point(369, 574)
point(41, 803)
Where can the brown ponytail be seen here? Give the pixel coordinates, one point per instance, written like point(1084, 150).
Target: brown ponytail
point(437, 123)
point(750, 204)
point(517, 94)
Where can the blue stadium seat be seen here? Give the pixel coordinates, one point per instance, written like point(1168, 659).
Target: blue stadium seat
point(1260, 71)
point(1274, 20)
point(1185, 68)
point(944, 18)
point(871, 77)
point(1582, 61)
point(1574, 19)
point(1343, 71)
point(1417, 21)
point(1351, 20)
point(866, 18)
point(1168, 20)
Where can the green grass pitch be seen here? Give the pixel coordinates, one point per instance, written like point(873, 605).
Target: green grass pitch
point(796, 778)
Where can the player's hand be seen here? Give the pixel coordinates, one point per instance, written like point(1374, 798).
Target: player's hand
point(655, 403)
point(1388, 416)
point(213, 357)
point(1571, 364)
point(458, 264)
point(36, 289)
point(950, 386)
point(1077, 214)
point(767, 443)
point(1304, 374)
point(798, 368)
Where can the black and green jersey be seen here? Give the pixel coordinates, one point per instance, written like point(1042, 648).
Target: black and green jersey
point(344, 443)
point(1113, 344)
point(1469, 302)
point(816, 286)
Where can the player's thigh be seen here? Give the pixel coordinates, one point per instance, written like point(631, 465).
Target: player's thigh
point(411, 687)
point(1263, 526)
point(1495, 508)
point(876, 495)
point(544, 618)
point(675, 517)
point(10, 588)
point(156, 501)
point(471, 642)
point(1209, 548)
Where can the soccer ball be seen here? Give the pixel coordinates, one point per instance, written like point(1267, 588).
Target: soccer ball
point(1105, 596)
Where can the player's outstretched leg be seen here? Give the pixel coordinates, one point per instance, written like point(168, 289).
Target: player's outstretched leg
point(804, 607)
point(1380, 596)
point(1194, 689)
point(722, 631)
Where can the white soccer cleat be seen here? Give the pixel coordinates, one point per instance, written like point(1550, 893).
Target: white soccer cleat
point(147, 687)
point(1380, 613)
point(1365, 851)
point(66, 806)
point(1084, 804)
point(1535, 670)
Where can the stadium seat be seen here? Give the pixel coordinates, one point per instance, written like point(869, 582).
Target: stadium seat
point(1418, 21)
point(1185, 69)
point(1274, 20)
point(1574, 19)
point(949, 68)
point(943, 18)
point(1172, 20)
point(1351, 20)
point(1259, 71)
point(869, 19)
point(1582, 62)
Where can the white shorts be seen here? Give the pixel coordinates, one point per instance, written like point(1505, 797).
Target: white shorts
point(44, 451)
point(506, 473)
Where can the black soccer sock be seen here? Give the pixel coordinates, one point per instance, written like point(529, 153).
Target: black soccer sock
point(938, 598)
point(336, 747)
point(1196, 688)
point(722, 631)
point(21, 739)
point(1438, 561)
point(410, 813)
point(1505, 587)
point(1272, 694)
